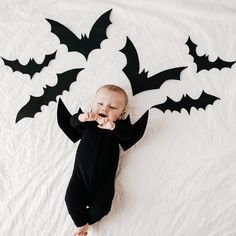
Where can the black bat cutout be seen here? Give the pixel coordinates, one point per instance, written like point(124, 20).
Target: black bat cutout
point(86, 44)
point(32, 67)
point(139, 81)
point(64, 116)
point(138, 129)
point(203, 62)
point(50, 93)
point(187, 103)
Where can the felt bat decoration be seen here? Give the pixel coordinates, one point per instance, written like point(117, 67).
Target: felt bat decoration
point(64, 116)
point(63, 120)
point(50, 93)
point(187, 103)
point(32, 67)
point(203, 62)
point(86, 44)
point(140, 81)
point(138, 129)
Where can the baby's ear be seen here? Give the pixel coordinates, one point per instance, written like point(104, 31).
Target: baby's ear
point(122, 116)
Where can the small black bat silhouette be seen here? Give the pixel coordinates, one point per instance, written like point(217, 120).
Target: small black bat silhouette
point(187, 103)
point(64, 116)
point(32, 67)
point(203, 62)
point(86, 44)
point(50, 93)
point(139, 81)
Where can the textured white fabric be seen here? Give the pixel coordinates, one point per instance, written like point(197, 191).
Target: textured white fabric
point(180, 179)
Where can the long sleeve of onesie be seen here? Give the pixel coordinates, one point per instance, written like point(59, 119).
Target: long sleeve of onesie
point(75, 123)
point(122, 130)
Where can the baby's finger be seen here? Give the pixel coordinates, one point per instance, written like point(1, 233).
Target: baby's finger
point(86, 116)
point(106, 119)
point(91, 116)
point(100, 120)
point(100, 126)
point(95, 116)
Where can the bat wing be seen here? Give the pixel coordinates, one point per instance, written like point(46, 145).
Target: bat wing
point(138, 129)
point(32, 67)
point(63, 119)
point(97, 34)
point(132, 66)
point(65, 35)
point(50, 93)
point(203, 62)
point(187, 103)
point(140, 81)
point(156, 81)
point(84, 45)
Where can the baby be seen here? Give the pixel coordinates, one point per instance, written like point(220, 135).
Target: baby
point(91, 188)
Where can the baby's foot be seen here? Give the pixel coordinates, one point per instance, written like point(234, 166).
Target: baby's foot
point(82, 231)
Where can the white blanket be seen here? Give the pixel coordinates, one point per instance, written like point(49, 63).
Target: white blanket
point(180, 178)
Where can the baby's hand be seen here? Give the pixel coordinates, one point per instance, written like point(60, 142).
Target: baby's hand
point(87, 116)
point(105, 123)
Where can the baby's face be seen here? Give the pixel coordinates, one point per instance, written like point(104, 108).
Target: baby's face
point(108, 103)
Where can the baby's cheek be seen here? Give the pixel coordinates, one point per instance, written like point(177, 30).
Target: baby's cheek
point(115, 117)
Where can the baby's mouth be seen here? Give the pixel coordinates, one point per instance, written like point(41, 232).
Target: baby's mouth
point(102, 115)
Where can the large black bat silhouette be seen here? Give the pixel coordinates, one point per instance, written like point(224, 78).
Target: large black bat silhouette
point(187, 103)
point(203, 62)
point(86, 44)
point(140, 81)
point(64, 116)
point(31, 67)
point(50, 93)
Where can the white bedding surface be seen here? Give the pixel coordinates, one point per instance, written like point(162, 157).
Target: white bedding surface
point(180, 178)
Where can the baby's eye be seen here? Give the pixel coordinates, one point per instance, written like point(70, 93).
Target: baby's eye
point(112, 107)
point(99, 103)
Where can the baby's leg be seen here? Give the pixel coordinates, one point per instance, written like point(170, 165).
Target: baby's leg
point(100, 204)
point(97, 211)
point(76, 201)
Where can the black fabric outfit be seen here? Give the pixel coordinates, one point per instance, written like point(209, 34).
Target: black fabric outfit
point(91, 188)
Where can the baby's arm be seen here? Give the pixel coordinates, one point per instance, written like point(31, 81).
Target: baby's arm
point(76, 122)
point(87, 116)
point(123, 129)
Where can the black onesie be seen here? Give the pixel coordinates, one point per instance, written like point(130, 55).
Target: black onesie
point(91, 188)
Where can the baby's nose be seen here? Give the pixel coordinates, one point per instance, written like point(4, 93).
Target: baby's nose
point(105, 108)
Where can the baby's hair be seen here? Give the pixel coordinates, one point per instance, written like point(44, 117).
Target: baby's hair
point(115, 88)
